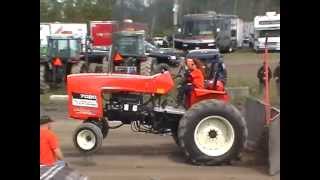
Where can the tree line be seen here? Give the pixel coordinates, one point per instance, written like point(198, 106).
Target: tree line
point(156, 13)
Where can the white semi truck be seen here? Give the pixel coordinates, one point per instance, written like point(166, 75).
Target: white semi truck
point(267, 25)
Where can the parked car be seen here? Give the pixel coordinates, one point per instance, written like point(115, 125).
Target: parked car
point(164, 57)
point(160, 42)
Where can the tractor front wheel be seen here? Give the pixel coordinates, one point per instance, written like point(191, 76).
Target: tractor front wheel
point(212, 132)
point(88, 138)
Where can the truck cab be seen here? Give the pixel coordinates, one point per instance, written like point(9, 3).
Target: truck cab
point(267, 25)
point(205, 31)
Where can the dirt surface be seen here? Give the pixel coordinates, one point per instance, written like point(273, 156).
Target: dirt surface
point(136, 156)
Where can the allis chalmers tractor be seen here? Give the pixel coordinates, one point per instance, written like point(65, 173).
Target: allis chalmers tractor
point(210, 131)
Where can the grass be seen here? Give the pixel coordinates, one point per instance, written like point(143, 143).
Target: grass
point(242, 67)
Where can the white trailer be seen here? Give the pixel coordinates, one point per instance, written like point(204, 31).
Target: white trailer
point(74, 29)
point(61, 29)
point(237, 31)
point(268, 24)
point(44, 33)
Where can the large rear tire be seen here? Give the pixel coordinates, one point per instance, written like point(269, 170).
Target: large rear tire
point(146, 67)
point(44, 87)
point(92, 68)
point(79, 67)
point(162, 67)
point(87, 138)
point(212, 132)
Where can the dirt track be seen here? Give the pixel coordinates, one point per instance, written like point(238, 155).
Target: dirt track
point(136, 156)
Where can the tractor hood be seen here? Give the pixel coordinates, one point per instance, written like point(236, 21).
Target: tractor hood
point(85, 90)
point(160, 83)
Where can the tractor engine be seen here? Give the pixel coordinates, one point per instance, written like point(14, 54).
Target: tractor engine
point(133, 109)
point(124, 107)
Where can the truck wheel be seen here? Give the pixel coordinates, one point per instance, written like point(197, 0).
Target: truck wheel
point(43, 85)
point(146, 67)
point(79, 67)
point(212, 132)
point(162, 66)
point(88, 138)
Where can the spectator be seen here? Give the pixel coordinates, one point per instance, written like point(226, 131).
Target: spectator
point(276, 75)
point(218, 70)
point(261, 75)
point(50, 153)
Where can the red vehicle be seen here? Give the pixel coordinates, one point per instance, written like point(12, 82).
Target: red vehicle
point(101, 40)
point(101, 33)
point(210, 131)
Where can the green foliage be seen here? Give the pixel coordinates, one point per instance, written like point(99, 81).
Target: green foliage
point(157, 13)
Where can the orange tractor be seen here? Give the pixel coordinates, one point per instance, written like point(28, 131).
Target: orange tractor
point(209, 130)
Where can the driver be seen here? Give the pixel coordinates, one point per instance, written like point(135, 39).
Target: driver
point(194, 78)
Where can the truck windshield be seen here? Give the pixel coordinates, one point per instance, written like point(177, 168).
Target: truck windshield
point(271, 33)
point(130, 45)
point(199, 27)
point(64, 47)
point(74, 47)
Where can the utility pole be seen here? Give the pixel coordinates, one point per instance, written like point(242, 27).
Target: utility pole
point(175, 18)
point(235, 7)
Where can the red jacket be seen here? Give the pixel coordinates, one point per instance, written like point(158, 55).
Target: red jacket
point(197, 78)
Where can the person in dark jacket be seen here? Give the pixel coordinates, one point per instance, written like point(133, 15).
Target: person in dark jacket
point(261, 75)
point(218, 70)
point(276, 75)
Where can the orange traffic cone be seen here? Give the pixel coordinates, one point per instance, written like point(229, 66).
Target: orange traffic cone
point(117, 57)
point(57, 62)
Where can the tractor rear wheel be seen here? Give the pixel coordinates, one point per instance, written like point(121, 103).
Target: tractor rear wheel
point(146, 67)
point(212, 132)
point(92, 67)
point(88, 138)
point(162, 66)
point(79, 67)
point(175, 138)
point(43, 85)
